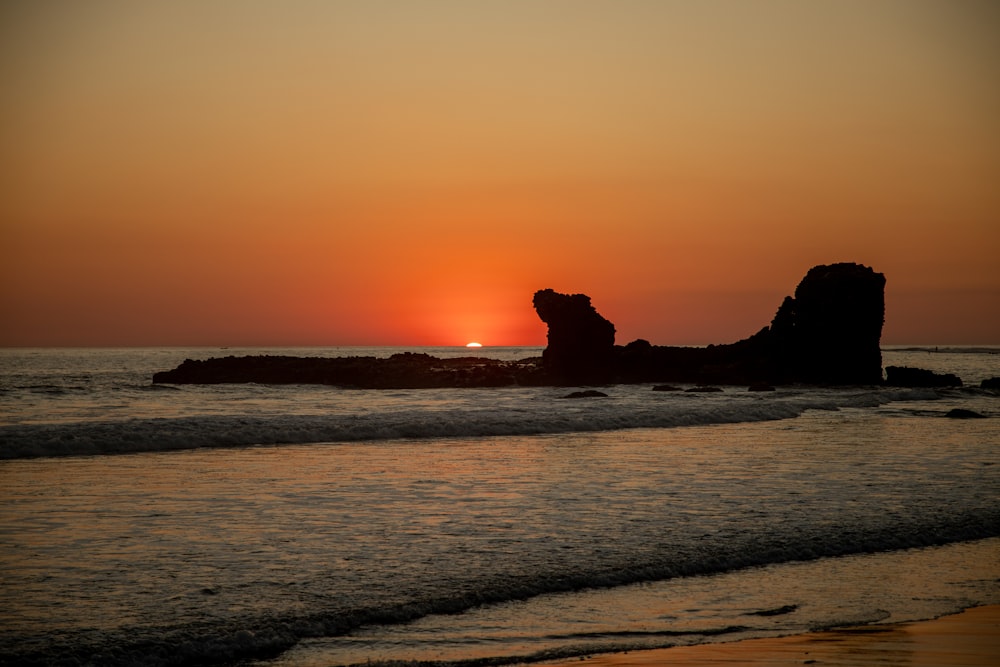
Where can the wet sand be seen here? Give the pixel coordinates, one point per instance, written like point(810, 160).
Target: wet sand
point(971, 638)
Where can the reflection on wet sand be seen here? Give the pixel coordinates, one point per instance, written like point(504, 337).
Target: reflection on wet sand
point(969, 639)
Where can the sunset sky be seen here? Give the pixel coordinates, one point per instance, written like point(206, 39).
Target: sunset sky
point(410, 172)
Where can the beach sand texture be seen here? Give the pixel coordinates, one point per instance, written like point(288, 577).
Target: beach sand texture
point(968, 639)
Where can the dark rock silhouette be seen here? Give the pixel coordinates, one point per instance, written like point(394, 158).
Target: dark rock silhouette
point(830, 331)
point(990, 383)
point(588, 393)
point(400, 371)
point(581, 343)
point(904, 376)
point(827, 333)
point(962, 413)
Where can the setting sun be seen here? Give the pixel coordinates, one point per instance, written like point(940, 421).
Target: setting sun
point(473, 344)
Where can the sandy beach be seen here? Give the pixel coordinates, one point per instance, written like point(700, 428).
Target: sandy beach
point(971, 638)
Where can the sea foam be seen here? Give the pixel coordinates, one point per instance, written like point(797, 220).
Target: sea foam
point(537, 412)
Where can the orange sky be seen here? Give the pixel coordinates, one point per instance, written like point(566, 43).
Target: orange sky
point(379, 172)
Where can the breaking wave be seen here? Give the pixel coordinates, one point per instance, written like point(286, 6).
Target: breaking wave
point(226, 642)
point(544, 414)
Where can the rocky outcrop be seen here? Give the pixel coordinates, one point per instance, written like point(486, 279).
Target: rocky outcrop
point(990, 383)
point(829, 332)
point(962, 413)
point(400, 371)
point(904, 376)
point(581, 343)
point(588, 393)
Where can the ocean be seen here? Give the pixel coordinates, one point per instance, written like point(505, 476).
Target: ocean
point(314, 526)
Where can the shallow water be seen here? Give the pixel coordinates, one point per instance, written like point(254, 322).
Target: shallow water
point(771, 600)
point(297, 541)
point(569, 532)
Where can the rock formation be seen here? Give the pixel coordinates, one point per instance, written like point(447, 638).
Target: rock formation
point(830, 331)
point(581, 343)
point(827, 333)
point(962, 413)
point(904, 376)
point(400, 371)
point(589, 393)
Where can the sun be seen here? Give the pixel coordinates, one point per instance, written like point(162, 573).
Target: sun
point(473, 344)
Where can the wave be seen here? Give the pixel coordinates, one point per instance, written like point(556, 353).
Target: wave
point(527, 418)
point(51, 389)
point(944, 349)
point(229, 641)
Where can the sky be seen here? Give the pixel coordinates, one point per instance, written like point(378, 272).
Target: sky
point(410, 172)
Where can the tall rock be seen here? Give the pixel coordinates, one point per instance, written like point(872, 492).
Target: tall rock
point(581, 343)
point(829, 332)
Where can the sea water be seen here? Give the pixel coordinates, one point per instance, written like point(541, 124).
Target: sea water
point(305, 525)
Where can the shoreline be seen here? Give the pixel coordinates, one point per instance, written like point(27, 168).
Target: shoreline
point(970, 638)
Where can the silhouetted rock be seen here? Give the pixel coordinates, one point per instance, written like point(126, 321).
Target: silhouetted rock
point(666, 387)
point(400, 371)
point(990, 383)
point(903, 376)
point(588, 393)
point(829, 332)
point(581, 343)
point(962, 413)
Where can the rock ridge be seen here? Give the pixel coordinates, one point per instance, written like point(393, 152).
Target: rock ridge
point(827, 332)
